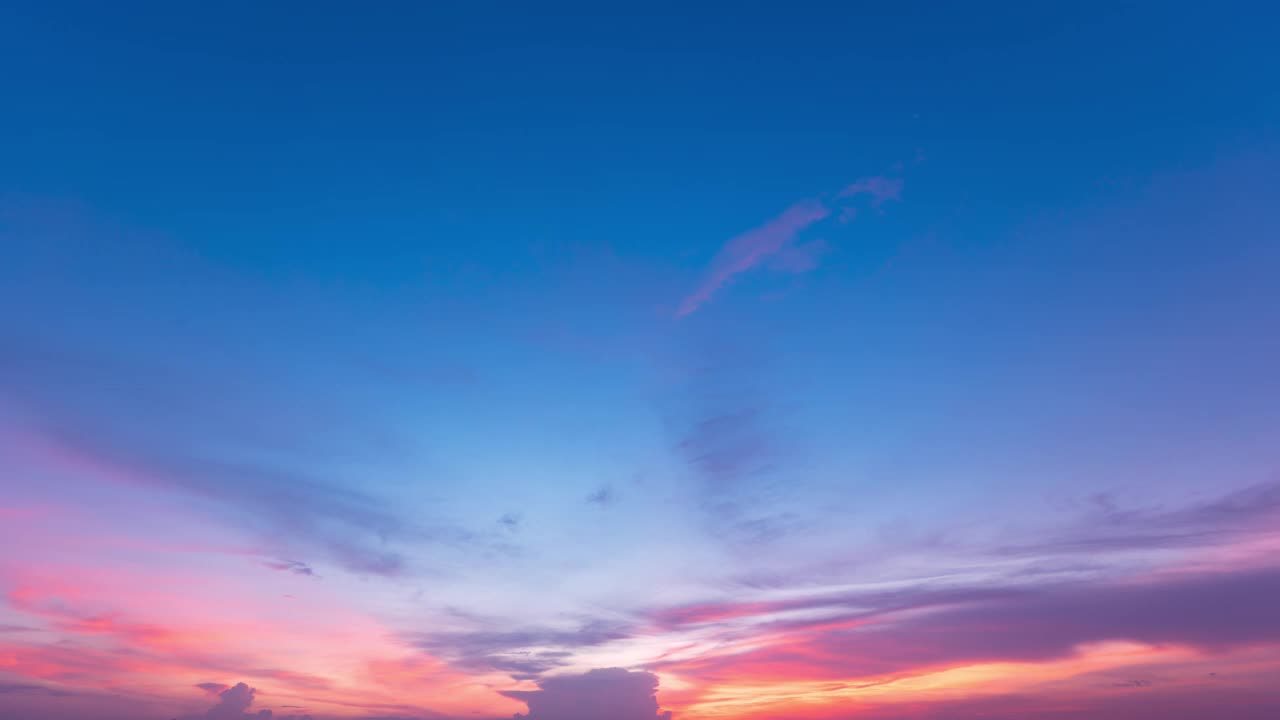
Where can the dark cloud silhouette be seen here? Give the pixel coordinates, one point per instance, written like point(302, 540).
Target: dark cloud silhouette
point(235, 703)
point(603, 694)
point(212, 688)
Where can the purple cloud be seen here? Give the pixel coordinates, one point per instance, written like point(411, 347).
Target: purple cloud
point(10, 688)
point(1193, 703)
point(297, 567)
point(776, 240)
point(879, 188)
point(896, 632)
point(727, 447)
point(525, 654)
point(234, 703)
point(753, 247)
point(612, 693)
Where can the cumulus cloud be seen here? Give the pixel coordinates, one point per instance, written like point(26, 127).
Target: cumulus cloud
point(602, 694)
point(234, 703)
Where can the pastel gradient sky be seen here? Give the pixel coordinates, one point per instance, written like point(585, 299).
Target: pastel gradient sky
point(803, 361)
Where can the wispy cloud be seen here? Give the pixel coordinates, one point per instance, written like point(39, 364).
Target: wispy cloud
point(297, 567)
point(10, 688)
point(776, 241)
point(878, 187)
point(726, 429)
point(106, 419)
point(525, 654)
point(1222, 521)
point(604, 495)
point(765, 660)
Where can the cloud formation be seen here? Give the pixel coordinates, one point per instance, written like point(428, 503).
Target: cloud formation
point(876, 634)
point(13, 688)
point(777, 240)
point(1248, 511)
point(234, 703)
point(297, 567)
point(250, 457)
point(881, 189)
point(604, 495)
point(602, 694)
point(524, 654)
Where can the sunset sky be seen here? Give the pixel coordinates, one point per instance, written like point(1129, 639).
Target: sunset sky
point(766, 361)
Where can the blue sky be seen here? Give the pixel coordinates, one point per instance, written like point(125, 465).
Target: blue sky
point(497, 317)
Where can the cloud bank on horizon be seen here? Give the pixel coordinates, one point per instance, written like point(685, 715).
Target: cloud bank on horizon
point(440, 364)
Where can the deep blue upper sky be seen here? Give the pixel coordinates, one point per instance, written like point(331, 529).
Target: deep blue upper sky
point(521, 195)
point(563, 117)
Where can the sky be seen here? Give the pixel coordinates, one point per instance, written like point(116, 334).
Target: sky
point(774, 361)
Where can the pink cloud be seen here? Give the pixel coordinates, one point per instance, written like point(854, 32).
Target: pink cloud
point(776, 240)
point(880, 188)
point(752, 247)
